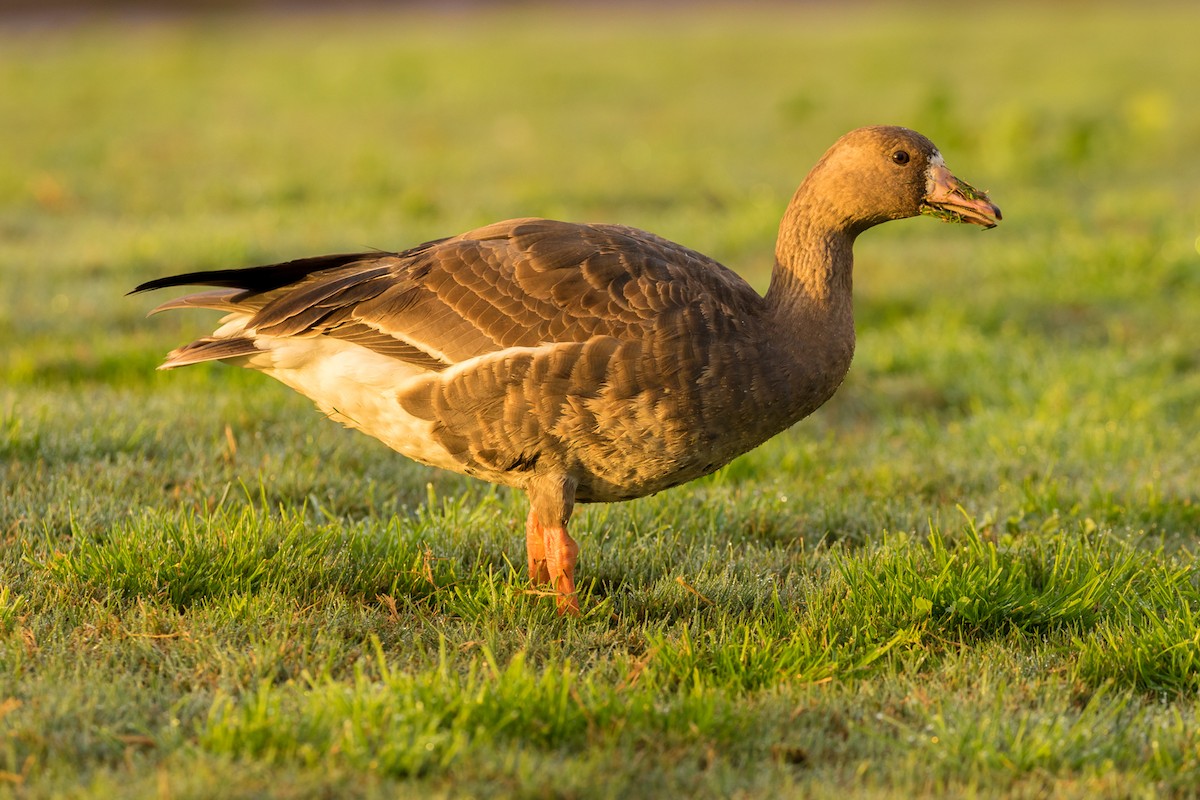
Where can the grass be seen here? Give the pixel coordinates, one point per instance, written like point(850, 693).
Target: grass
point(973, 573)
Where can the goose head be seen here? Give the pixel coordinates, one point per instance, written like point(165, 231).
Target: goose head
point(872, 175)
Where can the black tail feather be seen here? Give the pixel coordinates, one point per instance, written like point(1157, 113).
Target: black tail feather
point(259, 279)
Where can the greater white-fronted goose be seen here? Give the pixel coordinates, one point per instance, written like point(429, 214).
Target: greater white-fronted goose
point(588, 363)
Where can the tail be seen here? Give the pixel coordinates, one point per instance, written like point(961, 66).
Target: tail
point(257, 280)
point(247, 291)
point(210, 349)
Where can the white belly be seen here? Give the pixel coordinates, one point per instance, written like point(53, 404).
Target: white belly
point(356, 387)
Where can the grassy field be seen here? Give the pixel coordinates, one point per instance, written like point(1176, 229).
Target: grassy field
point(973, 573)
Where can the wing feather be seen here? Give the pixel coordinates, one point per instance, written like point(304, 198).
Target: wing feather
point(210, 349)
point(520, 283)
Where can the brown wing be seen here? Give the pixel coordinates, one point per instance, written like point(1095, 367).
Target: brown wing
point(519, 283)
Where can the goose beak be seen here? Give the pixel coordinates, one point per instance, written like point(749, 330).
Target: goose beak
point(953, 200)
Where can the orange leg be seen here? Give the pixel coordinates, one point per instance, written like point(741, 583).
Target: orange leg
point(561, 552)
point(535, 548)
point(552, 552)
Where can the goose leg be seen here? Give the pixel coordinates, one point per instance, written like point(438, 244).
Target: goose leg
point(535, 549)
point(561, 552)
point(551, 500)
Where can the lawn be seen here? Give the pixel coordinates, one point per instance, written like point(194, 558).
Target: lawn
point(973, 573)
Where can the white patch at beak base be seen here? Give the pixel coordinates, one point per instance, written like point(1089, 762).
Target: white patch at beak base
point(935, 161)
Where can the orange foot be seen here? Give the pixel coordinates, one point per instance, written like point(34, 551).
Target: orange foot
point(552, 554)
point(535, 548)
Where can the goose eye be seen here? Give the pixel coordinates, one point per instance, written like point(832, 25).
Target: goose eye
point(900, 157)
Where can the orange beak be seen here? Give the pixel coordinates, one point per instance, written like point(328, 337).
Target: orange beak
point(954, 200)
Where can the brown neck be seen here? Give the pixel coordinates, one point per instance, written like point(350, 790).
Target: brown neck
point(813, 276)
point(809, 312)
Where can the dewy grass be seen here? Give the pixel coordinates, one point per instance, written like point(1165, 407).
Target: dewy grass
point(1156, 647)
point(403, 724)
point(189, 559)
point(977, 588)
point(973, 573)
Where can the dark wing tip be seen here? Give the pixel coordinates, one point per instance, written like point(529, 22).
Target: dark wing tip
point(274, 276)
point(171, 280)
point(260, 279)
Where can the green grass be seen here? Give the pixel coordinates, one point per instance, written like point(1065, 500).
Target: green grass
point(973, 573)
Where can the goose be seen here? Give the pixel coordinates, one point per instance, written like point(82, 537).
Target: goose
point(583, 363)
